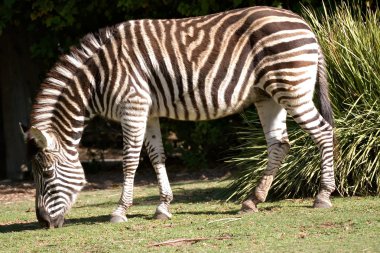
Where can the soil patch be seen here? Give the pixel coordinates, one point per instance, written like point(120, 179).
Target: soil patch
point(103, 175)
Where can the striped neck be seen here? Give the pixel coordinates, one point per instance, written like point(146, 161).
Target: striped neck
point(65, 99)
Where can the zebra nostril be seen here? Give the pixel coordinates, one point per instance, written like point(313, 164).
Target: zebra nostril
point(44, 224)
point(43, 217)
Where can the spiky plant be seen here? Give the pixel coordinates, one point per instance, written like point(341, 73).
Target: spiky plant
point(350, 39)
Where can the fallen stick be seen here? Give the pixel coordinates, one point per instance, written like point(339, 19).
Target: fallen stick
point(225, 220)
point(180, 241)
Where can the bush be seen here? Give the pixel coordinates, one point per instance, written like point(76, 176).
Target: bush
point(350, 38)
point(199, 145)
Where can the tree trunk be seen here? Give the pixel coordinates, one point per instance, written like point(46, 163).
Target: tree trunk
point(19, 75)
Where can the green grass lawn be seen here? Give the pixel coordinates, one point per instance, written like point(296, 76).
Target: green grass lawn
point(353, 225)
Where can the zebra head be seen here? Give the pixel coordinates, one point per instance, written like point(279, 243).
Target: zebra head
point(58, 176)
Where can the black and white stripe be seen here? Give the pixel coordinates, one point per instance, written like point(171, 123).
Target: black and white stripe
point(187, 69)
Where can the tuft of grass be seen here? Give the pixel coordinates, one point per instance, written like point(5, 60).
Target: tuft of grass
point(350, 39)
point(198, 214)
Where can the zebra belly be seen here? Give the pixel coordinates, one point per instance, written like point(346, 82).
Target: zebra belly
point(199, 113)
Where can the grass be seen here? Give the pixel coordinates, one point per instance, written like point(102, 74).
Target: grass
point(353, 225)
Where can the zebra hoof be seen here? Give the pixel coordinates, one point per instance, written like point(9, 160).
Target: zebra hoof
point(162, 213)
point(161, 216)
point(319, 203)
point(248, 206)
point(117, 218)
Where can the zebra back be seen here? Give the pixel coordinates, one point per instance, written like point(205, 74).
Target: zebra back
point(191, 69)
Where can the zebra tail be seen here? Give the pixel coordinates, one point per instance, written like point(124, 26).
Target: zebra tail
point(324, 99)
point(323, 91)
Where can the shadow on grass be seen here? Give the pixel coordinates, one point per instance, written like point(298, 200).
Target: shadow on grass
point(101, 219)
point(21, 227)
point(87, 220)
point(182, 195)
point(192, 196)
point(18, 227)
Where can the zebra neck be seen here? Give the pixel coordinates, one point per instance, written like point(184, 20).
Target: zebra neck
point(66, 96)
point(62, 116)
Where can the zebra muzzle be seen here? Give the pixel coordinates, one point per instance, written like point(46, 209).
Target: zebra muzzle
point(46, 221)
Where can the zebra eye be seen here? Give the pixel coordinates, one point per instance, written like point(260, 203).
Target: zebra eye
point(48, 173)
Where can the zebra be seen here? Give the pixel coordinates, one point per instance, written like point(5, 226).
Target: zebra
point(193, 69)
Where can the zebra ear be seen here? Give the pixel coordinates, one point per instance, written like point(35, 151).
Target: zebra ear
point(24, 131)
point(39, 136)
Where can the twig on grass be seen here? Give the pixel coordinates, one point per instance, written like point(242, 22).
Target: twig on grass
point(226, 220)
point(183, 241)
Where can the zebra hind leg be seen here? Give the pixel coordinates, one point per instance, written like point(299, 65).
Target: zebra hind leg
point(154, 147)
point(273, 120)
point(311, 121)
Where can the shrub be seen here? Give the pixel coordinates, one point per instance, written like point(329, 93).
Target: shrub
point(350, 39)
point(199, 145)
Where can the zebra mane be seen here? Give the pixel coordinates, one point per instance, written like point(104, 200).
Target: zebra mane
point(67, 65)
point(65, 69)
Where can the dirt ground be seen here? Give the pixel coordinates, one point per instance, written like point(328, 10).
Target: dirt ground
point(98, 176)
point(14, 191)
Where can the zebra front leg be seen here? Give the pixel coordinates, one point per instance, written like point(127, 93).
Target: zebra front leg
point(133, 123)
point(154, 147)
point(273, 120)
